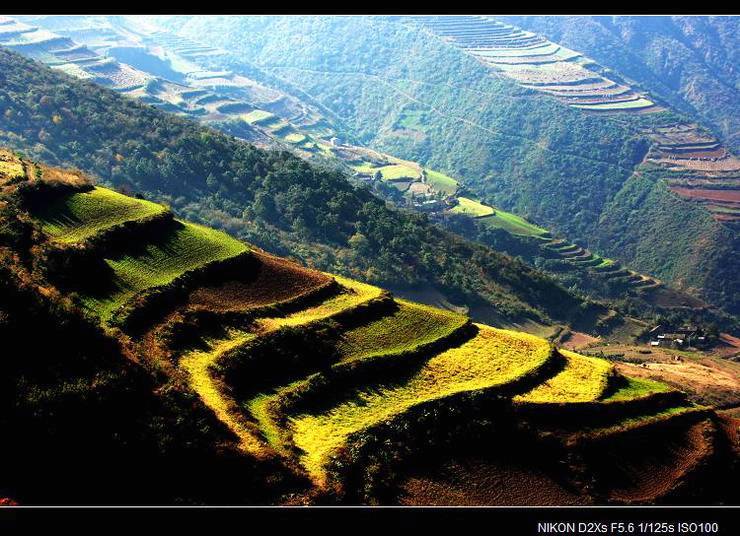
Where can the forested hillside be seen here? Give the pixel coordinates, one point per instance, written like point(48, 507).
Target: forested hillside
point(690, 62)
point(273, 199)
point(405, 91)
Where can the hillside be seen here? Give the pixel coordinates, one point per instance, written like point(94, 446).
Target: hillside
point(324, 389)
point(222, 89)
point(689, 62)
point(272, 199)
point(507, 126)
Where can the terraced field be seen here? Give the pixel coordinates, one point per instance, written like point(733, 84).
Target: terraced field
point(490, 359)
point(699, 169)
point(306, 369)
point(535, 63)
point(79, 216)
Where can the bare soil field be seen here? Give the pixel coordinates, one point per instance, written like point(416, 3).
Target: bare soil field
point(276, 280)
point(481, 482)
point(576, 339)
point(643, 468)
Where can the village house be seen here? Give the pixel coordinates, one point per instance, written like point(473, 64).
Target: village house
point(682, 337)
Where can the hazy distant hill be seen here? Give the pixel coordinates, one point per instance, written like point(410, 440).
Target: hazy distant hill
point(691, 62)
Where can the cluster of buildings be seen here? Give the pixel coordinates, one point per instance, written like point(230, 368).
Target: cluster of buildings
point(682, 337)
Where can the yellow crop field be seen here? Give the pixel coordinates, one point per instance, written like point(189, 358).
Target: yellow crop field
point(11, 169)
point(78, 216)
point(492, 358)
point(356, 294)
point(405, 329)
point(213, 393)
point(583, 379)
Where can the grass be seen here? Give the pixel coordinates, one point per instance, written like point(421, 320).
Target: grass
point(160, 261)
point(396, 172)
point(634, 388)
point(410, 326)
point(257, 116)
point(513, 224)
point(365, 168)
point(492, 358)
point(392, 172)
point(642, 421)
point(472, 208)
point(584, 379)
point(441, 182)
point(79, 216)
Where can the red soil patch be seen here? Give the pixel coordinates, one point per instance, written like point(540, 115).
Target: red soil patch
point(730, 196)
point(477, 482)
point(576, 339)
point(274, 280)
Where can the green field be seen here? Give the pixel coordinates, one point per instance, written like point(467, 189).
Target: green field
point(391, 172)
point(409, 327)
point(492, 358)
point(472, 208)
point(396, 172)
point(295, 137)
point(631, 105)
point(160, 261)
point(441, 182)
point(633, 388)
point(513, 224)
point(79, 216)
point(257, 116)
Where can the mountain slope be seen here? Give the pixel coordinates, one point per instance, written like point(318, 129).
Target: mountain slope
point(319, 385)
point(272, 199)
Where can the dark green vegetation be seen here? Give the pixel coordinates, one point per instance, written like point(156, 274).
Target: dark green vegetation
point(237, 94)
point(689, 62)
point(250, 379)
point(272, 199)
point(401, 90)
